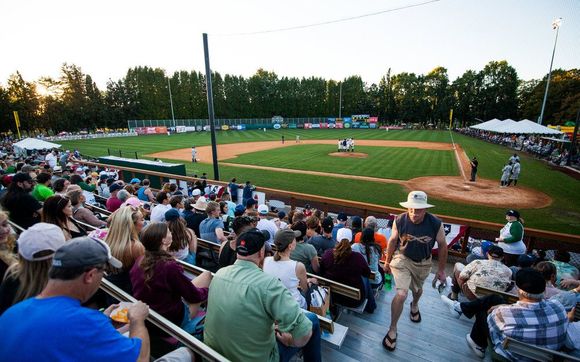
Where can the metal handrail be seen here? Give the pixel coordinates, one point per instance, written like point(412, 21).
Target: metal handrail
point(165, 325)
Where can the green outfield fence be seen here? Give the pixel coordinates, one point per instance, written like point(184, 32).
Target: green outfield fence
point(534, 238)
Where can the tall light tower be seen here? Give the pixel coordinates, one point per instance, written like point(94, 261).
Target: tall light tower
point(556, 26)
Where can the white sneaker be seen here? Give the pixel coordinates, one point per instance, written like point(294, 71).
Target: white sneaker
point(453, 305)
point(480, 352)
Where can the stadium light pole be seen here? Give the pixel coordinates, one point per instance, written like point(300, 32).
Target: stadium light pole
point(171, 102)
point(555, 25)
point(209, 91)
point(340, 101)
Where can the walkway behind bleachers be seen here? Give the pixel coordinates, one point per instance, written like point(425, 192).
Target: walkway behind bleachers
point(439, 336)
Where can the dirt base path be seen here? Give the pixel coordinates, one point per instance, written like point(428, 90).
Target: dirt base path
point(452, 188)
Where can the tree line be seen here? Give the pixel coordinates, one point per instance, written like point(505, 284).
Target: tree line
point(73, 101)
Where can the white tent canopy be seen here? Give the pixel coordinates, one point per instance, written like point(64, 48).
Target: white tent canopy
point(512, 127)
point(486, 125)
point(33, 144)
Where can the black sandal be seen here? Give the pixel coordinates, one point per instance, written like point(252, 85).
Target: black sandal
point(392, 341)
point(415, 314)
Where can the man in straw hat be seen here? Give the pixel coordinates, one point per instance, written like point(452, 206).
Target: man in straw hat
point(409, 257)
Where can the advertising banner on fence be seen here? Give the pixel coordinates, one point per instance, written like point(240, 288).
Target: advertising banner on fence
point(180, 129)
point(338, 125)
point(307, 125)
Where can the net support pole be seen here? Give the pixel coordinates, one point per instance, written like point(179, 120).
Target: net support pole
point(216, 172)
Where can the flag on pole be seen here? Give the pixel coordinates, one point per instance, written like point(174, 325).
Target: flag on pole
point(17, 121)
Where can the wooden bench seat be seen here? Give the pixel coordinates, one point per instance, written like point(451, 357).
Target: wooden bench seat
point(536, 353)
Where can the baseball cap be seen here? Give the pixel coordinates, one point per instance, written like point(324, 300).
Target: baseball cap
point(135, 181)
point(35, 242)
point(416, 200)
point(281, 214)
point(171, 214)
point(132, 201)
point(115, 187)
point(84, 251)
point(250, 242)
point(284, 237)
point(341, 216)
point(263, 209)
point(513, 213)
point(57, 169)
point(196, 192)
point(327, 224)
point(344, 233)
point(495, 251)
point(21, 177)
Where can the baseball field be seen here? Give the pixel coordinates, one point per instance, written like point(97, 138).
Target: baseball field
point(383, 168)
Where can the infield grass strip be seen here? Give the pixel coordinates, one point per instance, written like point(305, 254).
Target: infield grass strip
point(399, 163)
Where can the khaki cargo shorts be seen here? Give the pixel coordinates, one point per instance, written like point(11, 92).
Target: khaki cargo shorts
point(409, 274)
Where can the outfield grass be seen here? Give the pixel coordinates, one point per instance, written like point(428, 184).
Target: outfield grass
point(563, 215)
point(381, 162)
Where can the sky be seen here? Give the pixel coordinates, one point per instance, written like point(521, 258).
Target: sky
point(107, 37)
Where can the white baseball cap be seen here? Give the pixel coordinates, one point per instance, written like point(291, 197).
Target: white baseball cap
point(38, 238)
point(263, 209)
point(416, 200)
point(344, 233)
point(196, 192)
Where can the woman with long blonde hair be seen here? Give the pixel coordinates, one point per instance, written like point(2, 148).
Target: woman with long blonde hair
point(7, 256)
point(123, 238)
point(27, 278)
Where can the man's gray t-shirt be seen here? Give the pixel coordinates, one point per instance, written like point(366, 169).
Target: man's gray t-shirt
point(322, 243)
point(417, 240)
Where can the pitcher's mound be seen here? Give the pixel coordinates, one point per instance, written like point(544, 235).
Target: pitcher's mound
point(349, 154)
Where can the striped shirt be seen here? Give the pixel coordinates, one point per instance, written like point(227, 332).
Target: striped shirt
point(542, 324)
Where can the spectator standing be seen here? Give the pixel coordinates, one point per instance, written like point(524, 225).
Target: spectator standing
point(51, 159)
point(54, 325)
point(511, 237)
point(247, 192)
point(42, 189)
point(250, 310)
point(22, 208)
point(25, 279)
point(413, 237)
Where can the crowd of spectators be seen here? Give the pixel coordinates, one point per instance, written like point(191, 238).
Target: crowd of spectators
point(555, 152)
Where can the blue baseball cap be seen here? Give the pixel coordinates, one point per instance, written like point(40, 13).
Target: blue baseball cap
point(135, 181)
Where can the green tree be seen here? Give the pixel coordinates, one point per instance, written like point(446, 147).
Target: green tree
point(465, 97)
point(498, 95)
point(23, 98)
point(437, 95)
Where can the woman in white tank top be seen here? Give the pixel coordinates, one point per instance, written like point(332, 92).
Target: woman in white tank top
point(291, 273)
